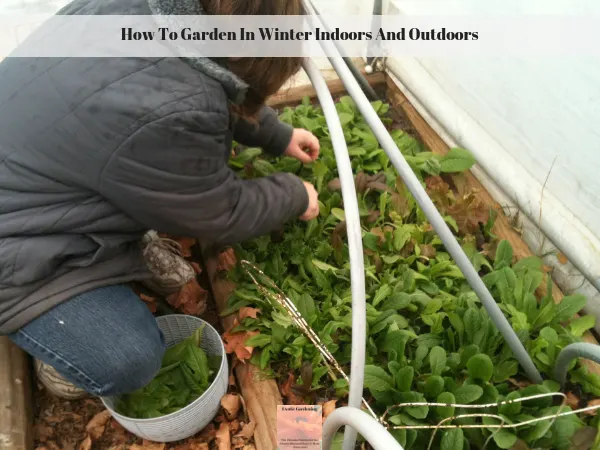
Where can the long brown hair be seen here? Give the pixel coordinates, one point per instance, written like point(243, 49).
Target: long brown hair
point(264, 76)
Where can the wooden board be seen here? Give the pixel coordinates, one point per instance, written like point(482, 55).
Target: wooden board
point(502, 227)
point(294, 95)
point(260, 395)
point(15, 398)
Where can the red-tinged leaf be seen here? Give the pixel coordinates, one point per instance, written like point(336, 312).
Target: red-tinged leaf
point(408, 249)
point(377, 231)
point(400, 204)
point(360, 181)
point(334, 185)
point(461, 184)
point(340, 229)
point(437, 184)
point(489, 250)
point(226, 260)
point(337, 241)
point(372, 217)
point(246, 311)
point(234, 343)
point(468, 212)
point(378, 263)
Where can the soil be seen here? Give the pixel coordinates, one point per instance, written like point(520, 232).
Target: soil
point(61, 425)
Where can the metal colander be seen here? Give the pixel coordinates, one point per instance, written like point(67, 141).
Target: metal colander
point(197, 415)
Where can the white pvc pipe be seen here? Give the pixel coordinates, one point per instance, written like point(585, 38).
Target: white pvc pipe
point(436, 220)
point(573, 238)
point(376, 435)
point(571, 352)
point(354, 233)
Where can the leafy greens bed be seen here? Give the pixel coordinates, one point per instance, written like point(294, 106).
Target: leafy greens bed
point(429, 338)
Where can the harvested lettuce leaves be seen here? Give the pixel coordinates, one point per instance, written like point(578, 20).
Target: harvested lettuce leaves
point(185, 374)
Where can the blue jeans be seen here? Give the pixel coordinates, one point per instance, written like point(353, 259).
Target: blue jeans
point(105, 341)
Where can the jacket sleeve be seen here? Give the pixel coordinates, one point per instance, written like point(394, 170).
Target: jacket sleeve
point(172, 176)
point(270, 134)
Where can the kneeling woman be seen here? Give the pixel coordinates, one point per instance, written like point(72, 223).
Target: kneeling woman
point(96, 152)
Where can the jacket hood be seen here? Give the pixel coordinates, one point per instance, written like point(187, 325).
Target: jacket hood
point(234, 86)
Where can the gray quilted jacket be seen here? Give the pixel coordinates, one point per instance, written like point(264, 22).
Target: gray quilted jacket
point(94, 152)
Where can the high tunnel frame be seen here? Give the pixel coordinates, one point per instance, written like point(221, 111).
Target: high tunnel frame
point(352, 416)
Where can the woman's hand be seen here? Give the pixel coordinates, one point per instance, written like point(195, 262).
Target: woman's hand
point(304, 146)
point(312, 211)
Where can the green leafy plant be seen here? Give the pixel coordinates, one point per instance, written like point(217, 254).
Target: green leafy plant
point(185, 375)
point(428, 336)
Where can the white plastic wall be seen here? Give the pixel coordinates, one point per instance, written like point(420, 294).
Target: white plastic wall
point(541, 111)
point(31, 6)
point(536, 122)
point(42, 6)
point(545, 114)
point(19, 7)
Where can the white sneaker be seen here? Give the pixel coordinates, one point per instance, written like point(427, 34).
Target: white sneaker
point(163, 257)
point(55, 382)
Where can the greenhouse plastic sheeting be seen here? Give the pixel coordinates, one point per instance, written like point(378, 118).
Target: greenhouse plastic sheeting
point(31, 6)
